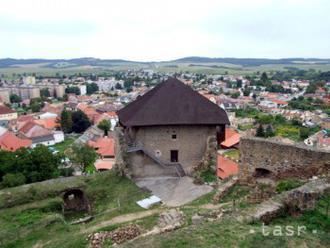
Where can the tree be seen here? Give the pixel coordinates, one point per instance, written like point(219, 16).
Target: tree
point(72, 90)
point(28, 165)
point(36, 104)
point(246, 91)
point(269, 132)
point(104, 125)
point(92, 88)
point(118, 86)
point(15, 98)
point(12, 180)
point(260, 131)
point(44, 93)
point(83, 156)
point(66, 121)
point(35, 107)
point(80, 122)
point(304, 133)
point(264, 78)
point(311, 89)
point(235, 95)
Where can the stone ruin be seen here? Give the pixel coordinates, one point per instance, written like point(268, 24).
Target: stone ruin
point(262, 159)
point(296, 200)
point(75, 199)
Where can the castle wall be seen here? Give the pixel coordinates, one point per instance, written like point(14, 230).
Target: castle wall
point(190, 141)
point(281, 160)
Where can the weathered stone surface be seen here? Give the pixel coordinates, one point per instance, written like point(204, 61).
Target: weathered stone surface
point(280, 160)
point(224, 188)
point(172, 218)
point(299, 199)
point(191, 142)
point(197, 219)
point(305, 197)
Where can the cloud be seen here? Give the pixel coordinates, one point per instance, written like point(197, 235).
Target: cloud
point(160, 30)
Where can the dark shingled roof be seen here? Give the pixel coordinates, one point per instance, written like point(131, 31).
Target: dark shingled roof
point(172, 103)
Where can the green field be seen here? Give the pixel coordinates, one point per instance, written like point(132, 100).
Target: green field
point(208, 68)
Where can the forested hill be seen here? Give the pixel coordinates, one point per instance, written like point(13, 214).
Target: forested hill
point(62, 63)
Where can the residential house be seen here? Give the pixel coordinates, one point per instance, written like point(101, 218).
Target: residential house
point(7, 113)
point(10, 142)
point(39, 135)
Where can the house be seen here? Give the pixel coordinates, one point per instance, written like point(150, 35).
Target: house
point(10, 142)
point(7, 113)
point(104, 147)
point(169, 129)
point(38, 134)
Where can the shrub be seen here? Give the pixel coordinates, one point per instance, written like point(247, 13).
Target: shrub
point(208, 176)
point(66, 172)
point(13, 179)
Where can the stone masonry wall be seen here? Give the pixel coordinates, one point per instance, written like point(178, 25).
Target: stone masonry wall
point(281, 160)
point(191, 142)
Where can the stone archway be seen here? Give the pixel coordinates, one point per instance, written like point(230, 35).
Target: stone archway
point(262, 173)
point(75, 200)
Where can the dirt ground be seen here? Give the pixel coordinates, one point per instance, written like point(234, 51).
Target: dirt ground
point(174, 191)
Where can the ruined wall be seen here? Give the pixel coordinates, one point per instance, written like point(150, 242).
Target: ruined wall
point(282, 160)
point(190, 142)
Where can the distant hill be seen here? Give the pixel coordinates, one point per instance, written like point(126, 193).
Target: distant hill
point(65, 63)
point(252, 61)
point(58, 63)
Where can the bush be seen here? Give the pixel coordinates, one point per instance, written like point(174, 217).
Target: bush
point(66, 172)
point(13, 179)
point(287, 184)
point(208, 176)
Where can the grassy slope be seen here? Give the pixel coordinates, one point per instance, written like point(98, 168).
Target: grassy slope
point(229, 232)
point(41, 222)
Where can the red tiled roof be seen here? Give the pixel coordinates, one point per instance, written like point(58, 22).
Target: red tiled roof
point(5, 110)
point(104, 164)
point(10, 142)
point(226, 167)
point(31, 130)
point(49, 123)
point(22, 118)
point(105, 146)
point(277, 101)
point(231, 138)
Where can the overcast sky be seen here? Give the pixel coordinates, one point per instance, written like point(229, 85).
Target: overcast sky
point(164, 29)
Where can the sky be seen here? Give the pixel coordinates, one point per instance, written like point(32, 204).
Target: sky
point(157, 30)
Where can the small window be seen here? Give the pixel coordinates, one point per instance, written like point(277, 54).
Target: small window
point(173, 136)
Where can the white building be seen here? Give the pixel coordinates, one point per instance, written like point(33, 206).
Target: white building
point(83, 89)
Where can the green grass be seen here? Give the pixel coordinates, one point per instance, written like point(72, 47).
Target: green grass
point(61, 147)
point(288, 131)
point(288, 184)
point(229, 232)
point(245, 127)
point(232, 154)
point(37, 219)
